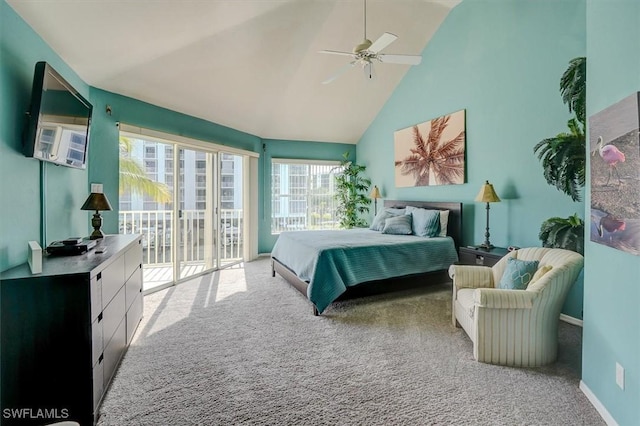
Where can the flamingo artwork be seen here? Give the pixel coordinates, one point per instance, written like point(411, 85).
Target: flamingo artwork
point(612, 156)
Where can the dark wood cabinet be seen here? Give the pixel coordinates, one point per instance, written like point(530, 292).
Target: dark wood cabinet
point(479, 256)
point(64, 331)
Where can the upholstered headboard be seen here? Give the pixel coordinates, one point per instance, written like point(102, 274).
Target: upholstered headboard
point(454, 228)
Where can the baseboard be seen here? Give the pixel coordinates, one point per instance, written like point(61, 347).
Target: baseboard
point(264, 254)
point(571, 320)
point(606, 416)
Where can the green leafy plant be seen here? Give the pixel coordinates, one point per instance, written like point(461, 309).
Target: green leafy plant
point(351, 190)
point(564, 233)
point(573, 87)
point(563, 160)
point(564, 155)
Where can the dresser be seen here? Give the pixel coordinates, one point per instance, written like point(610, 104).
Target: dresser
point(65, 330)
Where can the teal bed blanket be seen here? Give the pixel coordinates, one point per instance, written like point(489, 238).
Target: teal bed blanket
point(332, 260)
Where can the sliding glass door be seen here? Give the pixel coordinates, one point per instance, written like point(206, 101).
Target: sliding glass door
point(187, 202)
point(146, 205)
point(196, 212)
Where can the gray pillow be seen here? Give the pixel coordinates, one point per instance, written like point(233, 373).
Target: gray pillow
point(400, 225)
point(426, 223)
point(382, 216)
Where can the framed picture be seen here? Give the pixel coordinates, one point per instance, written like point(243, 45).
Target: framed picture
point(431, 153)
point(615, 175)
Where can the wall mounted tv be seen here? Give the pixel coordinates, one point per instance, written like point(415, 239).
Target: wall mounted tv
point(58, 120)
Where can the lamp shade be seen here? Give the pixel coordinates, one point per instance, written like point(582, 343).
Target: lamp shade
point(96, 201)
point(375, 193)
point(487, 194)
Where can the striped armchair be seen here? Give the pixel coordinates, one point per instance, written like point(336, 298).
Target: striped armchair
point(514, 327)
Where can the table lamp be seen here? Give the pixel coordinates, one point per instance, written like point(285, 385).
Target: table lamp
point(487, 195)
point(375, 194)
point(97, 201)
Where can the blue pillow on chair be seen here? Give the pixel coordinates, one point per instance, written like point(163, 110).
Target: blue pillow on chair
point(518, 273)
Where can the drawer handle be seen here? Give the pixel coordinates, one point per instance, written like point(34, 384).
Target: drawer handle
point(100, 317)
point(141, 266)
point(101, 358)
point(99, 277)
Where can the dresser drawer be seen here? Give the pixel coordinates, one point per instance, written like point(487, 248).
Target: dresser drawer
point(96, 297)
point(133, 259)
point(113, 313)
point(133, 287)
point(112, 278)
point(114, 351)
point(98, 382)
point(96, 341)
point(134, 315)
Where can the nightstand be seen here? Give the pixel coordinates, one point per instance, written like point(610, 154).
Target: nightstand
point(480, 256)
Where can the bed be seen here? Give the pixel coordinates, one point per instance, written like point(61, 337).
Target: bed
point(327, 265)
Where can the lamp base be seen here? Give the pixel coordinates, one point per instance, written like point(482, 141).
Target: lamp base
point(485, 246)
point(96, 234)
point(96, 222)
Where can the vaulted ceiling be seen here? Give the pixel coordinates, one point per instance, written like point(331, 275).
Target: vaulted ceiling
point(252, 65)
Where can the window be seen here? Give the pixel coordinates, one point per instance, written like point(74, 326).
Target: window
point(303, 195)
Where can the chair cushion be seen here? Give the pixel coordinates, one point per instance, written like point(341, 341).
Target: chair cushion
point(518, 273)
point(540, 273)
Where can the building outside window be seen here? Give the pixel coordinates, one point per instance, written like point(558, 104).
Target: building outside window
point(303, 195)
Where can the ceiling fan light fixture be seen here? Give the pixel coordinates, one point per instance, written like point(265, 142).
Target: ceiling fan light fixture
point(364, 53)
point(363, 46)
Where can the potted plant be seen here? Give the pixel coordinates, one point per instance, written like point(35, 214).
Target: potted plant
point(563, 159)
point(563, 233)
point(351, 190)
point(563, 156)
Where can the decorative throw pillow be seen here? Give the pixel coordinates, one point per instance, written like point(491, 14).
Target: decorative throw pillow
point(444, 221)
point(539, 273)
point(425, 223)
point(518, 273)
point(400, 225)
point(384, 214)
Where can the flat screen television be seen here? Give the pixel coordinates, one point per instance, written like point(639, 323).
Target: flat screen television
point(58, 120)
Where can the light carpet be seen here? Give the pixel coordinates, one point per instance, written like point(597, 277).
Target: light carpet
point(241, 347)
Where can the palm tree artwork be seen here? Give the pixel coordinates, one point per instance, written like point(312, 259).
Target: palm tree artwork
point(431, 153)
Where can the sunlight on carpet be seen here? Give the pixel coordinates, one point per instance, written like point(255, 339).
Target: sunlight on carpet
point(232, 281)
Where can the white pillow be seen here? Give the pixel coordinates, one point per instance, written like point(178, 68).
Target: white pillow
point(444, 220)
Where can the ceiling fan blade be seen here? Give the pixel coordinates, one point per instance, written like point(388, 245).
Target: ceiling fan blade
point(340, 71)
point(400, 59)
point(383, 41)
point(337, 52)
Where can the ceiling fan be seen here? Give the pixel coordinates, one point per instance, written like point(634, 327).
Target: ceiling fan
point(366, 52)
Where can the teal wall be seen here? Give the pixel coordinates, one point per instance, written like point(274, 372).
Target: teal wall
point(65, 188)
point(68, 188)
point(612, 277)
point(501, 61)
point(288, 149)
point(104, 152)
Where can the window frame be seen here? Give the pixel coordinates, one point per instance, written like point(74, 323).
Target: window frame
point(275, 195)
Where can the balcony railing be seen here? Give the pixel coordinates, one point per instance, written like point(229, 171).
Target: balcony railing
point(195, 245)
